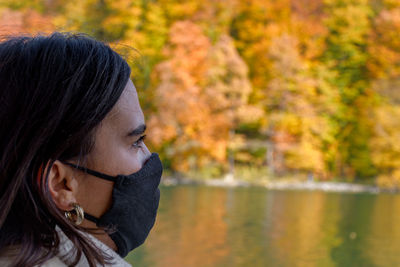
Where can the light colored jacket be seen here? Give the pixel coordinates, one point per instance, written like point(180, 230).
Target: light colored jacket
point(6, 259)
point(66, 254)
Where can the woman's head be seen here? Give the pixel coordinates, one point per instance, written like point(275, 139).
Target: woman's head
point(63, 97)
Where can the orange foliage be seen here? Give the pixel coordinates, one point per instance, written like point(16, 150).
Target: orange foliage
point(30, 21)
point(185, 118)
point(384, 46)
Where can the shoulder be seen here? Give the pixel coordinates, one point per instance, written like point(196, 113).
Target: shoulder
point(7, 257)
point(67, 251)
point(55, 261)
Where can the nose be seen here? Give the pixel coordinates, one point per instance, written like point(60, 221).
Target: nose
point(146, 150)
point(146, 153)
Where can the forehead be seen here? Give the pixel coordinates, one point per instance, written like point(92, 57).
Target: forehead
point(127, 112)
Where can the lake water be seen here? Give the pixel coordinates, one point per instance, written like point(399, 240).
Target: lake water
point(199, 226)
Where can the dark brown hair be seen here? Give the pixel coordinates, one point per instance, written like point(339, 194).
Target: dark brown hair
point(54, 91)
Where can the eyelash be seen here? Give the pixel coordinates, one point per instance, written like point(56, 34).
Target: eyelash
point(139, 141)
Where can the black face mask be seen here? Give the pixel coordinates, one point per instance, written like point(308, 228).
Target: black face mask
point(134, 206)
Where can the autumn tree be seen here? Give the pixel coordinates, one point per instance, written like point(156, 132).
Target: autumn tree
point(185, 120)
point(348, 23)
point(229, 86)
point(384, 69)
point(295, 124)
point(313, 84)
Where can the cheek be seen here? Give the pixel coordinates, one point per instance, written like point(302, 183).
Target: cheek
point(120, 159)
point(95, 195)
point(130, 161)
point(115, 157)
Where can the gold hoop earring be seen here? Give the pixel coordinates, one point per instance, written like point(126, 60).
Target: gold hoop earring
point(76, 215)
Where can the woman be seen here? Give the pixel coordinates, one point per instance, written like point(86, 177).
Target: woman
point(78, 185)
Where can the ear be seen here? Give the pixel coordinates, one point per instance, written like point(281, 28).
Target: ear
point(62, 185)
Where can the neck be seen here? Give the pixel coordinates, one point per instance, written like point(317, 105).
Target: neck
point(100, 234)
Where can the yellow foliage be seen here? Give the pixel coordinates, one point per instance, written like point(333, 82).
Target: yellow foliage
point(391, 180)
point(385, 142)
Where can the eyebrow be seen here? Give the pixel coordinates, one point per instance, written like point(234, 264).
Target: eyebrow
point(138, 131)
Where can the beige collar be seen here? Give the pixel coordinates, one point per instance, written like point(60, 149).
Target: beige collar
point(67, 253)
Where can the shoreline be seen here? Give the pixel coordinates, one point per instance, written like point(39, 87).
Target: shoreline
point(341, 187)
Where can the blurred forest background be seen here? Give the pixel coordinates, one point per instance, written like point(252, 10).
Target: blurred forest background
point(253, 88)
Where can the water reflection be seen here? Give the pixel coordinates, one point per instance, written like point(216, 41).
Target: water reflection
point(383, 241)
point(202, 226)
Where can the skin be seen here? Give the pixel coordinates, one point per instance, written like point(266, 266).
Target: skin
point(114, 152)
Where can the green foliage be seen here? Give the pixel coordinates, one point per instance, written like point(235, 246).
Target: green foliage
point(252, 173)
point(348, 23)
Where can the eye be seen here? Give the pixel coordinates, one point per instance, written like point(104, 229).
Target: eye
point(137, 143)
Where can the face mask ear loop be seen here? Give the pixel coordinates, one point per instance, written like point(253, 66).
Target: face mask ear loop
point(91, 218)
point(91, 172)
